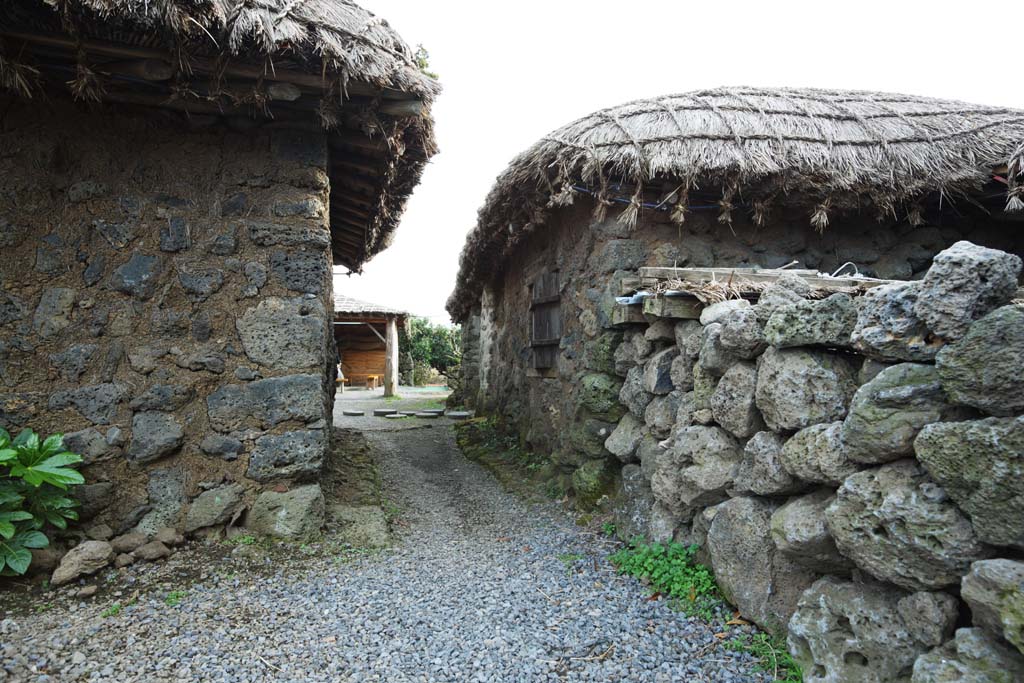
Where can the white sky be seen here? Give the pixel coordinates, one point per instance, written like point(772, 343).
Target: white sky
point(513, 71)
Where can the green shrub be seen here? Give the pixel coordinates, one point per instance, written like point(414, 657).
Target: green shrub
point(671, 570)
point(34, 479)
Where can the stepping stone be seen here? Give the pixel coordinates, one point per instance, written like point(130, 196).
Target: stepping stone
point(428, 416)
point(353, 413)
point(434, 411)
point(459, 415)
point(408, 413)
point(383, 412)
point(395, 416)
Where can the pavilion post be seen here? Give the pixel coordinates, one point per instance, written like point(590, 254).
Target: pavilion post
point(391, 357)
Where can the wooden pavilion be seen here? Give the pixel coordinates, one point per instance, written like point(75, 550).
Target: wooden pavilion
point(367, 339)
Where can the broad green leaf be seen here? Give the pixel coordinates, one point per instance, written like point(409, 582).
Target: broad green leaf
point(26, 438)
point(51, 471)
point(16, 558)
point(56, 520)
point(15, 516)
point(33, 539)
point(6, 529)
point(7, 455)
point(53, 444)
point(5, 438)
point(8, 496)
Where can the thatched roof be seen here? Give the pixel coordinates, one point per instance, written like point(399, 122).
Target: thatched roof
point(346, 306)
point(829, 151)
point(1015, 200)
point(328, 63)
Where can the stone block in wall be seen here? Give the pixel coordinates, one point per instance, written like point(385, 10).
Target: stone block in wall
point(752, 574)
point(214, 507)
point(599, 395)
point(898, 525)
point(591, 481)
point(619, 254)
point(980, 464)
point(761, 472)
point(797, 388)
point(657, 377)
point(625, 438)
point(599, 354)
point(301, 270)
point(698, 469)
point(90, 444)
point(144, 359)
point(297, 514)
point(11, 308)
point(815, 454)
point(625, 358)
point(175, 235)
point(633, 395)
point(266, 402)
point(284, 333)
point(633, 503)
point(661, 330)
point(889, 329)
point(73, 361)
point(660, 414)
point(742, 334)
point(95, 402)
point(704, 384)
point(649, 452)
point(200, 283)
point(714, 358)
point(53, 314)
point(295, 455)
point(985, 369)
point(154, 435)
point(265, 233)
point(663, 526)
point(964, 283)
point(887, 413)
point(166, 491)
point(972, 655)
point(799, 532)
point(203, 359)
point(138, 276)
point(165, 397)
point(681, 372)
point(787, 289)
point(717, 312)
point(846, 631)
point(825, 322)
point(226, 447)
point(732, 402)
point(588, 436)
point(994, 590)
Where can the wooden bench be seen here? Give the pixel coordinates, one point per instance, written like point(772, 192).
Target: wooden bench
point(372, 381)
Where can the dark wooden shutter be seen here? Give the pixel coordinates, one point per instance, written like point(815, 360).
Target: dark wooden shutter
point(546, 320)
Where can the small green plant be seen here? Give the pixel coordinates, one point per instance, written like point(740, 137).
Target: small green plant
point(570, 559)
point(112, 611)
point(671, 570)
point(391, 511)
point(771, 654)
point(34, 478)
point(608, 528)
point(423, 61)
point(43, 607)
point(174, 598)
point(243, 540)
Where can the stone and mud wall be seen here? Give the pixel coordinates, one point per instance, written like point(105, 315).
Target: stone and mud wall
point(164, 302)
point(849, 466)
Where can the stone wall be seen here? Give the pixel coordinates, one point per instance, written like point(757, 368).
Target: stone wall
point(164, 302)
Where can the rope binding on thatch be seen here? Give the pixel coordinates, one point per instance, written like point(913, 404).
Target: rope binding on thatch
point(828, 151)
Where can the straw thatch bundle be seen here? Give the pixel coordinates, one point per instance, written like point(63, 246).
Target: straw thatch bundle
point(828, 151)
point(1015, 201)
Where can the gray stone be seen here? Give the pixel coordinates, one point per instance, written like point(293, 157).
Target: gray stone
point(994, 590)
point(816, 454)
point(235, 205)
point(127, 543)
point(887, 413)
point(697, 471)
point(660, 330)
point(971, 657)
point(309, 207)
point(214, 507)
point(294, 515)
point(200, 360)
point(169, 536)
point(72, 362)
point(714, 358)
point(85, 558)
point(202, 326)
point(89, 444)
point(11, 235)
point(717, 311)
point(94, 498)
point(293, 455)
point(284, 333)
point(799, 532)
point(137, 277)
point(360, 526)
point(688, 333)
point(845, 632)
point(165, 397)
point(623, 441)
point(657, 371)
point(825, 322)
point(292, 233)
point(224, 244)
point(175, 235)
point(787, 289)
point(761, 471)
point(634, 501)
point(980, 464)
point(648, 453)
point(742, 334)
point(144, 359)
point(625, 358)
point(246, 374)
point(899, 526)
point(965, 282)
point(662, 526)
point(166, 491)
point(621, 255)
point(154, 435)
point(761, 582)
point(95, 269)
point(681, 372)
point(96, 402)
point(887, 327)
point(660, 415)
point(797, 388)
point(599, 395)
point(266, 402)
point(11, 308)
point(170, 323)
point(301, 270)
point(53, 314)
point(85, 190)
point(732, 403)
point(200, 283)
point(586, 436)
point(632, 395)
point(985, 369)
point(225, 447)
point(255, 274)
point(152, 551)
point(704, 384)
point(117, 235)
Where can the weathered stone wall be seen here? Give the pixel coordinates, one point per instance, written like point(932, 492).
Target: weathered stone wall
point(849, 467)
point(164, 302)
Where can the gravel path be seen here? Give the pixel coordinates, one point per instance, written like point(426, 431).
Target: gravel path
point(479, 587)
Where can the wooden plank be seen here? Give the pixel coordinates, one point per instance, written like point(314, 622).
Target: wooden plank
point(684, 307)
point(628, 315)
point(650, 275)
point(629, 285)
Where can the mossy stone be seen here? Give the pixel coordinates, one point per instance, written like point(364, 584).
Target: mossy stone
point(592, 480)
point(599, 395)
point(599, 353)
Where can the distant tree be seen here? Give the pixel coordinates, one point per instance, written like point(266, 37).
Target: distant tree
point(423, 61)
point(432, 346)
